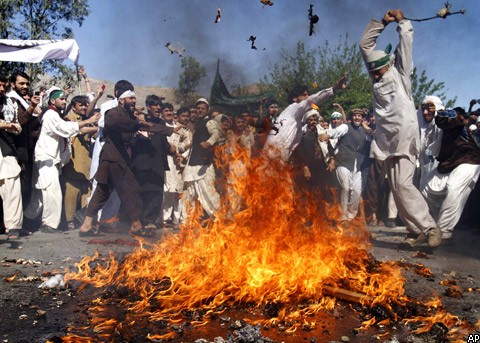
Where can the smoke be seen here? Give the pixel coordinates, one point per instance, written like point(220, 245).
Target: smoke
point(126, 39)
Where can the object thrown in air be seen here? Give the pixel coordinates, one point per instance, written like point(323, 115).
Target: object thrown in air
point(175, 50)
point(219, 15)
point(266, 2)
point(252, 39)
point(313, 18)
point(443, 13)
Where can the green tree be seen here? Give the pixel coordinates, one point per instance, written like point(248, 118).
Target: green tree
point(42, 19)
point(189, 79)
point(320, 68)
point(422, 86)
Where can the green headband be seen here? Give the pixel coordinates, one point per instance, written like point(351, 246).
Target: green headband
point(57, 94)
point(381, 62)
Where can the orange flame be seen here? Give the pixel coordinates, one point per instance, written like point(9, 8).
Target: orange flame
point(256, 251)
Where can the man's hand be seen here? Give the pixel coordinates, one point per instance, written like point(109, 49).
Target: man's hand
point(177, 128)
point(337, 106)
point(306, 173)
point(393, 15)
point(331, 165)
point(144, 124)
point(100, 90)
point(341, 84)
point(13, 128)
point(34, 101)
point(323, 137)
point(205, 145)
point(94, 119)
point(82, 72)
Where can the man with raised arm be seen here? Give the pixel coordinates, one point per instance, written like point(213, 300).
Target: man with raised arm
point(396, 140)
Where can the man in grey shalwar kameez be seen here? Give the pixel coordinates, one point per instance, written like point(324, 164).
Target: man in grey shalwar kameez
point(397, 138)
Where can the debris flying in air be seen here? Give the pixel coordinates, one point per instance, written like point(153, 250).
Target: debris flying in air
point(219, 15)
point(266, 2)
point(313, 18)
point(252, 39)
point(175, 50)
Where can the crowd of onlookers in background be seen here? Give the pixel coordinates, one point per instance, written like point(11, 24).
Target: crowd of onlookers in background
point(152, 162)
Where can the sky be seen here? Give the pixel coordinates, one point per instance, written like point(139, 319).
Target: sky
point(125, 39)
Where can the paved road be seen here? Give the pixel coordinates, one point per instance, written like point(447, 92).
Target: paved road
point(43, 253)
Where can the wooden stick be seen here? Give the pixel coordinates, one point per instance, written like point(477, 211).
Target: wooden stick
point(345, 294)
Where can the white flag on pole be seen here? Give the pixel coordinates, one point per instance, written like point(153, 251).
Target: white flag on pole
point(35, 51)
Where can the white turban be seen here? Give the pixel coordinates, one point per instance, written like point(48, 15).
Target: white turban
point(310, 112)
point(128, 94)
point(434, 100)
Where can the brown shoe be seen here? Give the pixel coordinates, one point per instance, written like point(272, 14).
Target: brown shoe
point(434, 235)
point(415, 240)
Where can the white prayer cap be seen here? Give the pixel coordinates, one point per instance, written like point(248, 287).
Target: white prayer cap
point(50, 90)
point(336, 115)
point(202, 100)
point(434, 100)
point(128, 94)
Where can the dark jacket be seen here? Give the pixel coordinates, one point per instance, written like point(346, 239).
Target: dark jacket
point(458, 145)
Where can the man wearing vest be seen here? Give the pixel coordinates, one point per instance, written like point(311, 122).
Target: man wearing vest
point(351, 159)
point(199, 173)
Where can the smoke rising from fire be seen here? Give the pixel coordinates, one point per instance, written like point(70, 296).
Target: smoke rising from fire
point(126, 39)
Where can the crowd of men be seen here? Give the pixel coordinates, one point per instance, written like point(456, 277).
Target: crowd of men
point(86, 165)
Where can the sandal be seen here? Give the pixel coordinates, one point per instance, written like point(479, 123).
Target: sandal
point(143, 232)
point(93, 232)
point(13, 235)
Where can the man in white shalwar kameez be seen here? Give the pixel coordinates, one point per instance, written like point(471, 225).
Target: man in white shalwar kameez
point(430, 137)
point(199, 173)
point(397, 138)
point(10, 187)
point(52, 151)
point(173, 177)
point(284, 138)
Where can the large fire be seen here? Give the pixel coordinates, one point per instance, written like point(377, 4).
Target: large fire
point(273, 249)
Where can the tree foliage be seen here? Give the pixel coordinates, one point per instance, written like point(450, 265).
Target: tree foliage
point(422, 86)
point(189, 79)
point(320, 68)
point(41, 19)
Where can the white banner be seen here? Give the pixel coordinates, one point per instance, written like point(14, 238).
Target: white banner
point(35, 51)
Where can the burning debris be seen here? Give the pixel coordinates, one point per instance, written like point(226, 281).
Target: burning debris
point(56, 281)
point(261, 262)
point(218, 16)
point(266, 2)
point(313, 19)
point(175, 50)
point(443, 13)
point(252, 40)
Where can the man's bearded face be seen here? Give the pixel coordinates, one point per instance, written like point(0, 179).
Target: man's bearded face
point(21, 86)
point(129, 104)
